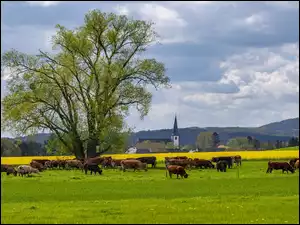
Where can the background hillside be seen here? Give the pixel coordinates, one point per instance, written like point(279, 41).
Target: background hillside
point(282, 130)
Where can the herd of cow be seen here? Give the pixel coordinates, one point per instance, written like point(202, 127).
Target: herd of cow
point(174, 165)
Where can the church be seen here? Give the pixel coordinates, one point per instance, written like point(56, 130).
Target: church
point(146, 145)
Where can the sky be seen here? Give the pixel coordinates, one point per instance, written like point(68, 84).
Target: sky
point(230, 63)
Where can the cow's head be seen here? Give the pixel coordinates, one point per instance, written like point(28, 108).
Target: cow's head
point(291, 169)
point(185, 175)
point(214, 159)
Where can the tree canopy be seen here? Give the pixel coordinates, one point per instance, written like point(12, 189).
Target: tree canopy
point(83, 92)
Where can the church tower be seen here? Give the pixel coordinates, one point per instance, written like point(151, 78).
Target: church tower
point(175, 134)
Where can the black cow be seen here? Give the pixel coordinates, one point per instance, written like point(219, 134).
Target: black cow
point(93, 167)
point(221, 166)
point(227, 159)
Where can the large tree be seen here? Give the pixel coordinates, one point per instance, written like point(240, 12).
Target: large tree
point(83, 92)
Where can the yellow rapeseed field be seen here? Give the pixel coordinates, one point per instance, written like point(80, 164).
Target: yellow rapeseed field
point(272, 155)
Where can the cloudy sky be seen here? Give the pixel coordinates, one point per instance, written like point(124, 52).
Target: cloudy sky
point(230, 63)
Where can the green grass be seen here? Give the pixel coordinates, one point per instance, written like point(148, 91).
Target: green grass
point(149, 197)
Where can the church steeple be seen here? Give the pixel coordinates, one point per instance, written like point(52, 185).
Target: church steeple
point(175, 128)
point(175, 134)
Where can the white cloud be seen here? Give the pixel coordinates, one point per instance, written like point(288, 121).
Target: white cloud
point(268, 91)
point(43, 3)
point(122, 10)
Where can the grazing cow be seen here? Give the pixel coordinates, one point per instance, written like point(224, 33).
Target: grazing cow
point(178, 170)
point(107, 162)
point(93, 167)
point(11, 170)
point(148, 160)
point(97, 160)
point(180, 162)
point(74, 164)
point(297, 164)
point(41, 161)
point(24, 169)
point(202, 163)
point(227, 159)
point(237, 160)
point(8, 169)
point(133, 164)
point(221, 165)
point(115, 163)
point(37, 165)
point(284, 166)
point(293, 161)
point(4, 167)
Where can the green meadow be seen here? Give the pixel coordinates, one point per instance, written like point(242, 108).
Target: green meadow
point(247, 195)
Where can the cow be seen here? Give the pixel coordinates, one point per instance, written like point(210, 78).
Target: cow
point(97, 160)
point(93, 167)
point(133, 164)
point(237, 160)
point(293, 161)
point(107, 162)
point(8, 169)
point(37, 165)
point(11, 170)
point(4, 167)
point(24, 169)
point(227, 159)
point(41, 161)
point(284, 166)
point(179, 162)
point(178, 170)
point(148, 160)
point(115, 163)
point(297, 164)
point(221, 165)
point(74, 164)
point(61, 163)
point(202, 163)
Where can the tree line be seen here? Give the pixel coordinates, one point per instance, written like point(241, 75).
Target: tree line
point(206, 141)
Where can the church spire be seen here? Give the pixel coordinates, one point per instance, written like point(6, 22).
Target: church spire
point(175, 128)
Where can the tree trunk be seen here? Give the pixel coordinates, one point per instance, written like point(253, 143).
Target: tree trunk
point(91, 147)
point(78, 149)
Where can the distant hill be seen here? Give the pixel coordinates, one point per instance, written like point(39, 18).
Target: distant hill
point(282, 130)
point(288, 127)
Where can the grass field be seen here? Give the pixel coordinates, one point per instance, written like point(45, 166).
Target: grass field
point(149, 197)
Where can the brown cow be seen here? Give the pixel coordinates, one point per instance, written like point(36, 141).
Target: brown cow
point(96, 160)
point(202, 163)
point(293, 161)
point(237, 160)
point(297, 164)
point(4, 167)
point(133, 164)
point(116, 163)
point(74, 164)
point(180, 162)
point(178, 170)
point(107, 162)
point(284, 166)
point(37, 165)
point(41, 161)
